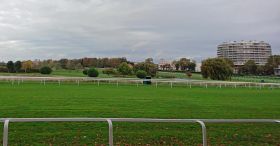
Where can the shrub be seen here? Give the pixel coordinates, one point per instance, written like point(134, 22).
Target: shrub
point(109, 71)
point(125, 69)
point(189, 74)
point(45, 70)
point(3, 69)
point(92, 72)
point(148, 67)
point(141, 74)
point(85, 71)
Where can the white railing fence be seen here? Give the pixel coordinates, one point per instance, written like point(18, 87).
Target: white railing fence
point(110, 121)
point(17, 80)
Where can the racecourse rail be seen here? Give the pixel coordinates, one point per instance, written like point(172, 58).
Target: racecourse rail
point(110, 121)
point(156, 82)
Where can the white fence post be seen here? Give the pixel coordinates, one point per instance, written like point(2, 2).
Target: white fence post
point(5, 133)
point(111, 138)
point(204, 135)
point(156, 84)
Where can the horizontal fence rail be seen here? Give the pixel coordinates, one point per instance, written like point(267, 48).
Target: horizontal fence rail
point(110, 121)
point(170, 82)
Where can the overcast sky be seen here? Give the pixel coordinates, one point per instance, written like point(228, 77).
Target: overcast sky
point(136, 29)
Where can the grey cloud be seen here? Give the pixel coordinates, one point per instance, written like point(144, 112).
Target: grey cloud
point(31, 29)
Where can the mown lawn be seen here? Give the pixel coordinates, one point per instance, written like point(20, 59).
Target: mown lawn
point(129, 101)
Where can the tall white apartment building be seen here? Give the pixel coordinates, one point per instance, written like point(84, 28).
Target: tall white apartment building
point(241, 52)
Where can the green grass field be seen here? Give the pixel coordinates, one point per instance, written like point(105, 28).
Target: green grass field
point(128, 101)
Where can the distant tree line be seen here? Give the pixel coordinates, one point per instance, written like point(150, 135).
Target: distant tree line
point(70, 64)
point(222, 69)
point(103, 62)
point(113, 66)
point(213, 68)
point(141, 69)
point(251, 68)
point(18, 66)
point(183, 64)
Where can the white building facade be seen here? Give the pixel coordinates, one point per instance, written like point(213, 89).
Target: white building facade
point(241, 52)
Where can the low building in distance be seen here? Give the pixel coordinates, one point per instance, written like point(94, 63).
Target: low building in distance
point(241, 52)
point(165, 65)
